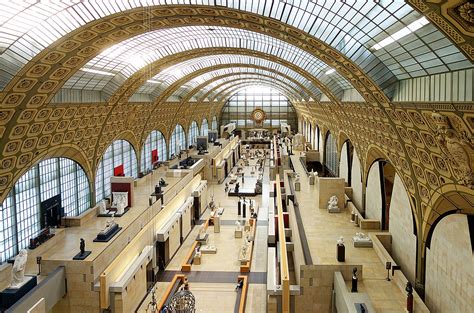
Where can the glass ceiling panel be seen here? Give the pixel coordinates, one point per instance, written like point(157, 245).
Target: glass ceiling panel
point(162, 80)
point(352, 27)
point(238, 73)
point(130, 55)
point(228, 88)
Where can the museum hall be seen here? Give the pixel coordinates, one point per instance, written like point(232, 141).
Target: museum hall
point(231, 156)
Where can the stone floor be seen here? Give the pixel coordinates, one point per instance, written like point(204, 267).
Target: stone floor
point(323, 229)
point(216, 276)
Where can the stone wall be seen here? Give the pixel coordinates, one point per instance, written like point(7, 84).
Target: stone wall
point(373, 194)
point(343, 164)
point(450, 267)
point(356, 182)
point(401, 229)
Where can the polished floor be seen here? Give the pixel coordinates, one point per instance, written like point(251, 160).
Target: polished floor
point(213, 281)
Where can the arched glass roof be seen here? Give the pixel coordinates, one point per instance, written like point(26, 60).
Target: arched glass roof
point(127, 57)
point(352, 27)
point(235, 72)
point(170, 75)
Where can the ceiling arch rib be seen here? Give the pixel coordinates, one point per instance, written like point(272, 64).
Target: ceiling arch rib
point(289, 91)
point(229, 87)
point(202, 83)
point(349, 27)
point(216, 82)
point(172, 73)
point(133, 83)
point(128, 56)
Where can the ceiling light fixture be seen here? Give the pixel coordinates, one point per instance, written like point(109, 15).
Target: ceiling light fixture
point(89, 70)
point(419, 23)
point(330, 71)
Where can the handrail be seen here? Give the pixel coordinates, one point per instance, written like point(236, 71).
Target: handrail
point(167, 294)
point(186, 266)
point(243, 295)
point(284, 273)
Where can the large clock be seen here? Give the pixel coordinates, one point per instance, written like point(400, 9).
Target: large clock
point(258, 115)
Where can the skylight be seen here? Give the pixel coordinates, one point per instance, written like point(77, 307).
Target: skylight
point(89, 70)
point(419, 23)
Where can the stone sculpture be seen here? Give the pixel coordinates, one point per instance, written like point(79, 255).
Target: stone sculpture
point(102, 207)
point(18, 269)
point(202, 233)
point(238, 226)
point(332, 205)
point(354, 280)
point(120, 201)
point(82, 246)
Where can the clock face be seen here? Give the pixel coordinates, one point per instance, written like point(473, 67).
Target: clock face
point(258, 115)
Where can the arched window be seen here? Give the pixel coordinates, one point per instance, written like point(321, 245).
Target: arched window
point(119, 158)
point(177, 140)
point(20, 212)
point(193, 133)
point(330, 151)
point(277, 107)
point(204, 127)
point(214, 123)
point(153, 150)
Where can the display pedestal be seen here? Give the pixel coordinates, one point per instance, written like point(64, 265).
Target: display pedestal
point(341, 253)
point(217, 224)
point(311, 180)
point(197, 260)
point(297, 186)
point(109, 235)
point(83, 256)
point(238, 233)
point(10, 296)
point(203, 240)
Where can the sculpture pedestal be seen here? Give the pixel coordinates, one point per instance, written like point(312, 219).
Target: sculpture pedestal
point(334, 209)
point(341, 253)
point(297, 186)
point(106, 236)
point(217, 224)
point(9, 296)
point(83, 256)
point(311, 180)
point(238, 233)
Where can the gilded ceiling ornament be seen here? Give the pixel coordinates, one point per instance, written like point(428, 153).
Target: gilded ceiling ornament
point(457, 147)
point(466, 11)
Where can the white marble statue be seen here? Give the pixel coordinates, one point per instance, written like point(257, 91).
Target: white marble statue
point(109, 223)
point(333, 202)
point(120, 201)
point(332, 205)
point(238, 226)
point(297, 178)
point(362, 237)
point(102, 207)
point(340, 241)
point(18, 269)
point(202, 232)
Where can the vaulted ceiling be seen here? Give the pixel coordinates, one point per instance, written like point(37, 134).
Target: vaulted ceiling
point(126, 68)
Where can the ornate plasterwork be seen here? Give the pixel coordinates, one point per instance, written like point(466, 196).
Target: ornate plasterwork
point(457, 147)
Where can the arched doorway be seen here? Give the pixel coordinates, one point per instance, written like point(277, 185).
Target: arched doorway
point(345, 162)
point(379, 189)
